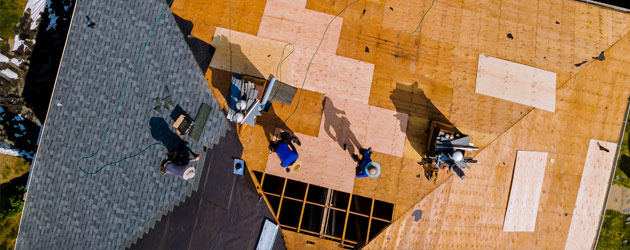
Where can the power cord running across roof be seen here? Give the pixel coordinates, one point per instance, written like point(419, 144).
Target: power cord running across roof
point(122, 99)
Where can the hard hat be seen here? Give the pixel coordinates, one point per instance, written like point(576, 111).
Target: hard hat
point(458, 156)
point(241, 105)
point(238, 117)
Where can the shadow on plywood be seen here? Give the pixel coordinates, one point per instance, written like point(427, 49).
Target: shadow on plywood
point(412, 100)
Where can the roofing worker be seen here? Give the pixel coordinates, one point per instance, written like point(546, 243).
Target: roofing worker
point(178, 160)
point(366, 167)
point(285, 150)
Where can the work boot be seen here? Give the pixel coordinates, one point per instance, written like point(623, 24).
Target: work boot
point(296, 141)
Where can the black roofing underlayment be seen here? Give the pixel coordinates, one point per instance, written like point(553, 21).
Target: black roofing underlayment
point(225, 213)
point(67, 209)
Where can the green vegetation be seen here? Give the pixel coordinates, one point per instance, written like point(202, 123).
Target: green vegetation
point(14, 174)
point(12, 167)
point(614, 231)
point(10, 13)
point(11, 204)
point(8, 231)
point(622, 174)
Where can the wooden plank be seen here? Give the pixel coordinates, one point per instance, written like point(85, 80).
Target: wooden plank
point(331, 75)
point(527, 182)
point(304, 28)
point(516, 82)
point(363, 126)
point(250, 55)
point(592, 193)
point(322, 164)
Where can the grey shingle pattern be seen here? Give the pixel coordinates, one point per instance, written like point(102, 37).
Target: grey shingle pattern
point(66, 209)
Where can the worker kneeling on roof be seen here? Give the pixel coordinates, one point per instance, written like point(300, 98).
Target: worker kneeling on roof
point(365, 166)
point(178, 161)
point(285, 150)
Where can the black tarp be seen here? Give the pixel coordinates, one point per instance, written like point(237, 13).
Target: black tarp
point(224, 213)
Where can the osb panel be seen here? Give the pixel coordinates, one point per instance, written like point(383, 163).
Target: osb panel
point(516, 83)
point(525, 191)
point(363, 126)
point(250, 55)
point(322, 164)
point(301, 27)
point(245, 15)
point(592, 194)
point(331, 75)
point(306, 119)
point(581, 114)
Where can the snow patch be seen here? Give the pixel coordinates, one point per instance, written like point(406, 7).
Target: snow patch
point(16, 61)
point(17, 43)
point(37, 7)
point(3, 58)
point(8, 73)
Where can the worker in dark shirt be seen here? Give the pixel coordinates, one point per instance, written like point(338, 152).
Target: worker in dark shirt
point(366, 167)
point(285, 150)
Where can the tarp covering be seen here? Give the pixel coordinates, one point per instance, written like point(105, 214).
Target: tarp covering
point(225, 213)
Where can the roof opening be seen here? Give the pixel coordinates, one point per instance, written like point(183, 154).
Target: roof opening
point(349, 219)
point(621, 5)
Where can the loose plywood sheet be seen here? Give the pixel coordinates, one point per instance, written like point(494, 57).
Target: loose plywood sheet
point(516, 82)
point(250, 55)
point(322, 164)
point(362, 126)
point(304, 28)
point(527, 181)
point(591, 195)
point(332, 75)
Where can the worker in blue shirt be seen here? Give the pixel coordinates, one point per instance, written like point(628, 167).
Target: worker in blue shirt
point(366, 167)
point(285, 150)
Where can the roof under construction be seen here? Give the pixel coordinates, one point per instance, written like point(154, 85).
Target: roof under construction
point(541, 88)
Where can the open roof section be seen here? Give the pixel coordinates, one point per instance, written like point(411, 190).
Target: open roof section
point(68, 209)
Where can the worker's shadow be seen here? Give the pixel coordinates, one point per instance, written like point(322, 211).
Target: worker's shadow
point(337, 126)
point(161, 131)
point(411, 99)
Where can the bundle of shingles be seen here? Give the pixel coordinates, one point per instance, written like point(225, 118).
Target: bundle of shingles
point(244, 104)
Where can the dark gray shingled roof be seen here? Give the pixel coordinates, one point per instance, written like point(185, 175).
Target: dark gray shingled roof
point(66, 209)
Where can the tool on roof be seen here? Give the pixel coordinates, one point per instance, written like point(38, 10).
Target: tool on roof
point(445, 150)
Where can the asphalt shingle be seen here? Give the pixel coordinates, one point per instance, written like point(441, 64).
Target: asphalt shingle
point(67, 209)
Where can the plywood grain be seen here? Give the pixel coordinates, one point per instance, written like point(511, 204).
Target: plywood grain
point(516, 82)
point(322, 164)
point(249, 55)
point(590, 200)
point(332, 75)
point(304, 28)
point(363, 126)
point(527, 182)
point(473, 217)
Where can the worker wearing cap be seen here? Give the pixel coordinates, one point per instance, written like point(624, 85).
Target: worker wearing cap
point(366, 167)
point(285, 150)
